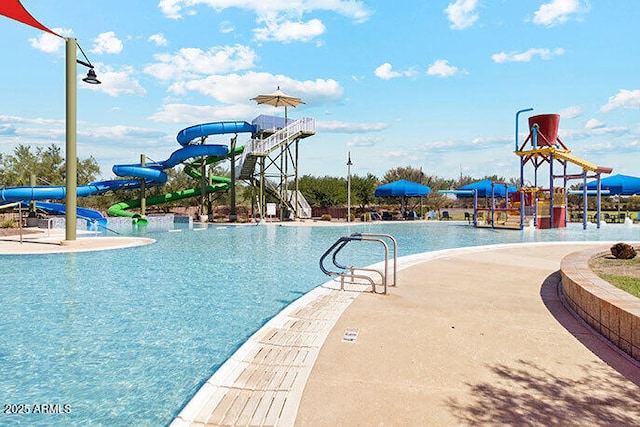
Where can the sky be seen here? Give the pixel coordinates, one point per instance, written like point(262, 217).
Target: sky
point(429, 84)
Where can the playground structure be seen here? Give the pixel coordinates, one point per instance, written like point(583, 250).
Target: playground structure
point(537, 204)
point(271, 152)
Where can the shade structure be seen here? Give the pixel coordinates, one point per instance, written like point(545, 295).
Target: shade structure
point(484, 188)
point(15, 10)
point(622, 185)
point(402, 188)
point(278, 99)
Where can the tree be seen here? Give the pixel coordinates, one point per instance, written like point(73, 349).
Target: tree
point(363, 189)
point(47, 164)
point(323, 192)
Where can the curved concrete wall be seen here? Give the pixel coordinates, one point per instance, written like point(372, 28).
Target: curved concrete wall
point(612, 312)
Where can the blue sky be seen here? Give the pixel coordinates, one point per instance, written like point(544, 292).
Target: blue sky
point(431, 84)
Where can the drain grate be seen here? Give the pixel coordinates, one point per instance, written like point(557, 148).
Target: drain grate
point(350, 335)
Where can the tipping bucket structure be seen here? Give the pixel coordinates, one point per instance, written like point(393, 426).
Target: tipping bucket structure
point(547, 128)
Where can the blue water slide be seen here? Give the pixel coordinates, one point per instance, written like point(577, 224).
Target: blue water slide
point(185, 136)
point(90, 215)
point(17, 194)
point(153, 173)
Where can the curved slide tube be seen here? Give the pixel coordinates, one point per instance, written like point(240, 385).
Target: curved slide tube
point(185, 136)
point(120, 209)
point(152, 172)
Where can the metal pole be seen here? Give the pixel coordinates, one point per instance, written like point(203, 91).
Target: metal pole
point(71, 179)
point(233, 216)
point(584, 199)
point(349, 163)
point(517, 114)
point(143, 189)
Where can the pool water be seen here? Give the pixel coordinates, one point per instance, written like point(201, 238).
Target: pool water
point(126, 337)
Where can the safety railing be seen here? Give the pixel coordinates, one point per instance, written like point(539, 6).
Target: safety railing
point(362, 275)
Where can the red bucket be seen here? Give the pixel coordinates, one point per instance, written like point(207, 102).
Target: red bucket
point(548, 128)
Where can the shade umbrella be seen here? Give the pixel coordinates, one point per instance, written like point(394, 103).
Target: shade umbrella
point(278, 99)
point(622, 185)
point(618, 185)
point(485, 188)
point(402, 189)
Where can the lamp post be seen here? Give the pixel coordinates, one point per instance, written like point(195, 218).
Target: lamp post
point(71, 179)
point(349, 163)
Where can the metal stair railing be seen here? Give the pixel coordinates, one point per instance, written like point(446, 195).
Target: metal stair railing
point(262, 147)
point(304, 208)
point(362, 274)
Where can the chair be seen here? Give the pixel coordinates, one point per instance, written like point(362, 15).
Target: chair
point(445, 215)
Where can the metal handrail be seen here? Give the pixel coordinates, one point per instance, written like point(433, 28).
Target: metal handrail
point(350, 271)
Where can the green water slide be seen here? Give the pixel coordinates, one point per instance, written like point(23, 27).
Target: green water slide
point(193, 169)
point(121, 209)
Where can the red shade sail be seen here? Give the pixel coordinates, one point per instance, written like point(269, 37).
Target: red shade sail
point(13, 9)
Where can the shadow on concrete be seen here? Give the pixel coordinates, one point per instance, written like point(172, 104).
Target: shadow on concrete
point(551, 294)
point(530, 395)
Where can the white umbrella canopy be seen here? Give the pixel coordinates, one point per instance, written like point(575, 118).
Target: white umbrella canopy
point(278, 99)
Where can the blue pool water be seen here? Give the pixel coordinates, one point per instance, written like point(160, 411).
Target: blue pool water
point(126, 337)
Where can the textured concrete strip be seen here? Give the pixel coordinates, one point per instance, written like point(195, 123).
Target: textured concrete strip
point(262, 383)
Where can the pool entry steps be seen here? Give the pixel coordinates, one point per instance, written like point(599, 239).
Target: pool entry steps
point(359, 277)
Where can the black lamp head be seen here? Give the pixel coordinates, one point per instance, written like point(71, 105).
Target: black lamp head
point(91, 78)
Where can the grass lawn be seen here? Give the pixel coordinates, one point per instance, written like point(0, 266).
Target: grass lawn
point(623, 274)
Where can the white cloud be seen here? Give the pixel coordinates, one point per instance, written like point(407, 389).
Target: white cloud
point(158, 39)
point(346, 127)
point(289, 31)
point(354, 9)
point(556, 12)
point(226, 27)
point(594, 124)
point(186, 113)
point(363, 141)
point(623, 99)
point(107, 43)
point(239, 88)
point(386, 72)
point(526, 56)
point(194, 62)
point(116, 82)
point(462, 13)
point(119, 133)
point(442, 68)
point(570, 112)
point(49, 43)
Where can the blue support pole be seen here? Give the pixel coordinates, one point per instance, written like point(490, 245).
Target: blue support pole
point(584, 200)
point(518, 114)
point(598, 197)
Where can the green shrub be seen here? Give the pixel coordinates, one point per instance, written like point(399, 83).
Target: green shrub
point(325, 217)
point(8, 223)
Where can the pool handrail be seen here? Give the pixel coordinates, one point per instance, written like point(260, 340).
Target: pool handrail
point(350, 271)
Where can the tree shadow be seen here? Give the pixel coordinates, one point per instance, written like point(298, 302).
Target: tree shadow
point(529, 394)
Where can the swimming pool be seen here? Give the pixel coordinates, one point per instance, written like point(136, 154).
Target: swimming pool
point(126, 337)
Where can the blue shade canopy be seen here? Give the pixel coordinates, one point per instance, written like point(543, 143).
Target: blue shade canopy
point(484, 189)
point(402, 188)
point(624, 185)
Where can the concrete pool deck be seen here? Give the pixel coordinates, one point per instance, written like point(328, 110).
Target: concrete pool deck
point(469, 336)
point(36, 241)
